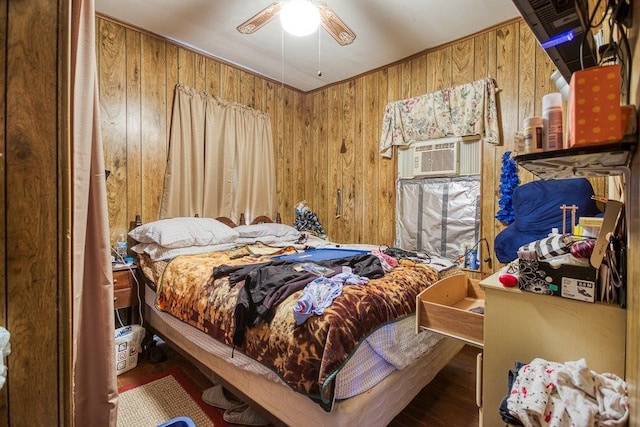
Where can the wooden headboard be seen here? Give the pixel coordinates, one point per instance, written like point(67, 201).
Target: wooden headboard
point(258, 220)
point(224, 219)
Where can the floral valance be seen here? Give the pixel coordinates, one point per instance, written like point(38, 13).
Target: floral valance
point(468, 109)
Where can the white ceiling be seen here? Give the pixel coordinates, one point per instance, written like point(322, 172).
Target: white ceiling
point(386, 31)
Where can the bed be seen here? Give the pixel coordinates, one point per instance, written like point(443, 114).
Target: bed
point(360, 362)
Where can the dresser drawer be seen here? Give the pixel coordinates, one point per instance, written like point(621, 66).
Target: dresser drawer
point(452, 306)
point(123, 279)
point(125, 289)
point(125, 298)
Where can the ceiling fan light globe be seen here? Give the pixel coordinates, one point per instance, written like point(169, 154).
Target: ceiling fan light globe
point(299, 17)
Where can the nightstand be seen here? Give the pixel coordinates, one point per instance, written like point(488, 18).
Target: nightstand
point(125, 289)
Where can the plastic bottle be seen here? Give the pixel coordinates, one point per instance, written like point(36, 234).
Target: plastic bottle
point(473, 259)
point(533, 134)
point(552, 115)
point(121, 248)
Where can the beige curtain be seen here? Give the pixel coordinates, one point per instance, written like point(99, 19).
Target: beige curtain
point(94, 378)
point(255, 190)
point(220, 161)
point(185, 166)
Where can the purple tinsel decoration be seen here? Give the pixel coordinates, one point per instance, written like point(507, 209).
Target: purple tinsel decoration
point(508, 182)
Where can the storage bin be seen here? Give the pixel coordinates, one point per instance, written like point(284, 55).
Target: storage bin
point(453, 306)
point(128, 345)
point(179, 422)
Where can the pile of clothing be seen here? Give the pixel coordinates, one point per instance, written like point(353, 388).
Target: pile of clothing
point(307, 220)
point(544, 393)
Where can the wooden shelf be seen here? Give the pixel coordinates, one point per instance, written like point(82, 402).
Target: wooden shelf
point(576, 162)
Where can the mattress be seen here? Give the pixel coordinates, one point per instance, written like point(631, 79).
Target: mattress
point(390, 348)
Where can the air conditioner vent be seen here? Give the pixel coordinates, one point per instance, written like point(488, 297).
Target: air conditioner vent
point(435, 158)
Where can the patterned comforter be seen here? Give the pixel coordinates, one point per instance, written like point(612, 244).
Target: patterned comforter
point(307, 356)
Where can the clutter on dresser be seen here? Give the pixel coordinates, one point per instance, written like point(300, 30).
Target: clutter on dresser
point(574, 264)
point(537, 211)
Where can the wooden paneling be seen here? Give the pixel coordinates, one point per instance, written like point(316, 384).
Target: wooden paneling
point(133, 120)
point(390, 87)
point(334, 176)
point(31, 281)
point(348, 152)
point(154, 107)
point(115, 132)
point(462, 69)
point(371, 159)
point(4, 409)
point(322, 205)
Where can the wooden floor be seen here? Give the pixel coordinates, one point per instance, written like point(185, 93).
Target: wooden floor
point(449, 400)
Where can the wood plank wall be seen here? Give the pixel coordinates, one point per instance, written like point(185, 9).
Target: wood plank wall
point(32, 300)
point(326, 141)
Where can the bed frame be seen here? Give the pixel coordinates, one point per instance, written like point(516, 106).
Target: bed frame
point(284, 406)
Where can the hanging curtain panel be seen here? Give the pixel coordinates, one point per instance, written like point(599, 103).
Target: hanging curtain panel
point(184, 174)
point(94, 386)
point(438, 215)
point(221, 160)
point(255, 181)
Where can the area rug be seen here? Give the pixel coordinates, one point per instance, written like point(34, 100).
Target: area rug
point(163, 398)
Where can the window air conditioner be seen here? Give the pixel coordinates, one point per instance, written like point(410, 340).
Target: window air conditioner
point(435, 158)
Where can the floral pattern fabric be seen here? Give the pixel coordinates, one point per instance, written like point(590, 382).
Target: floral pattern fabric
point(307, 357)
point(468, 109)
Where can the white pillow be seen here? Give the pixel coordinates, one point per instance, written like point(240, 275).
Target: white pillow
point(181, 232)
point(268, 229)
point(160, 253)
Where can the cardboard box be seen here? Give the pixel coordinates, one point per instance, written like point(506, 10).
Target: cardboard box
point(594, 110)
point(453, 306)
point(567, 280)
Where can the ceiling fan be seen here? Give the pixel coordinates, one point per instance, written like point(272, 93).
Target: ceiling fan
point(328, 19)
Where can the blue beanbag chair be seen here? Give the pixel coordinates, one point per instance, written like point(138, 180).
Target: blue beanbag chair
point(536, 207)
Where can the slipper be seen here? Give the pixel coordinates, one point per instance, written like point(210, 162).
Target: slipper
point(243, 414)
point(215, 396)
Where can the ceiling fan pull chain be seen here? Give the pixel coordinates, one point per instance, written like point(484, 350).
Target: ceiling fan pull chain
point(319, 50)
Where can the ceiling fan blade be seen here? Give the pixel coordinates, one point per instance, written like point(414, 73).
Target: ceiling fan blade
point(335, 26)
point(261, 18)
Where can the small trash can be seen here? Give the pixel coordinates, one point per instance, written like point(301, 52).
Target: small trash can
point(128, 341)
